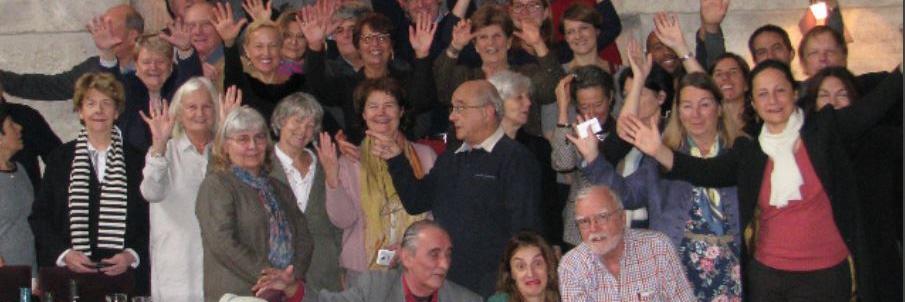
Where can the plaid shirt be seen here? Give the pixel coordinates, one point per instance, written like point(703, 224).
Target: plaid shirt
point(649, 271)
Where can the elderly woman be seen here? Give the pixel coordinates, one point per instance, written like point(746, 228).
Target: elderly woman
point(701, 221)
point(514, 88)
point(17, 244)
point(75, 190)
point(174, 167)
point(371, 36)
point(361, 197)
point(248, 219)
point(295, 121)
point(527, 271)
point(491, 29)
point(261, 82)
point(294, 46)
point(798, 175)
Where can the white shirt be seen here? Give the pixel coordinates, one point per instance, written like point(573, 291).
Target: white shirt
point(300, 184)
point(487, 144)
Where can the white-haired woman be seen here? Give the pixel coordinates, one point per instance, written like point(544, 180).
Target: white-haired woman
point(176, 163)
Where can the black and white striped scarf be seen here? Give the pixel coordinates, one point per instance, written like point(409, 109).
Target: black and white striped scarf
point(112, 207)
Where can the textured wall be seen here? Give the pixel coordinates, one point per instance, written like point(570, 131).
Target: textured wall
point(48, 36)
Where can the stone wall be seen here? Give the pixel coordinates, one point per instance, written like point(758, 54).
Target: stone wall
point(48, 36)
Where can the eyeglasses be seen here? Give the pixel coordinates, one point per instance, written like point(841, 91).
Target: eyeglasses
point(379, 38)
point(258, 139)
point(203, 24)
point(599, 218)
point(458, 109)
point(530, 7)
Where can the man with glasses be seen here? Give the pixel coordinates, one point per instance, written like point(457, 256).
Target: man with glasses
point(615, 264)
point(482, 193)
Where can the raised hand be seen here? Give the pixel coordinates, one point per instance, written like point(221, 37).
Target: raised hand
point(712, 14)
point(179, 35)
point(461, 35)
point(257, 9)
point(530, 34)
point(384, 147)
point(586, 146)
point(641, 64)
point(564, 97)
point(161, 125)
point(102, 33)
point(346, 148)
point(422, 35)
point(326, 154)
point(229, 101)
point(644, 136)
point(316, 22)
point(226, 27)
point(667, 29)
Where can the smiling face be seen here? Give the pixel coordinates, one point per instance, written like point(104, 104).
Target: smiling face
point(246, 149)
point(294, 43)
point(834, 93)
point(11, 139)
point(197, 114)
point(600, 221)
point(297, 132)
point(770, 46)
point(204, 36)
point(375, 47)
point(774, 98)
point(491, 43)
point(382, 113)
point(699, 113)
point(662, 54)
point(97, 111)
point(263, 49)
point(581, 36)
point(593, 102)
point(516, 108)
point(153, 68)
point(343, 37)
point(470, 116)
point(728, 76)
point(529, 271)
point(427, 263)
point(820, 52)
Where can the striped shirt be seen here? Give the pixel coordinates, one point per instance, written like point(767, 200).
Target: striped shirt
point(649, 271)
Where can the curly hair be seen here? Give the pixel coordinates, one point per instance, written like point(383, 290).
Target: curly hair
point(505, 281)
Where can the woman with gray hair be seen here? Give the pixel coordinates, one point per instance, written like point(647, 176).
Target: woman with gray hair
point(174, 167)
point(248, 220)
point(296, 120)
point(515, 90)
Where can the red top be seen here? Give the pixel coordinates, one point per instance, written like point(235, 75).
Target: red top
point(801, 236)
point(409, 297)
point(609, 53)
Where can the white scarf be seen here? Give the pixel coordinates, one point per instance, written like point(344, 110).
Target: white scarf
point(785, 180)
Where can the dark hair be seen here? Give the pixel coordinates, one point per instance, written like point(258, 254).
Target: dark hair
point(590, 76)
point(809, 102)
point(742, 64)
point(749, 115)
point(658, 80)
point(386, 85)
point(505, 282)
point(771, 29)
point(819, 30)
point(581, 12)
point(546, 26)
point(492, 14)
point(376, 22)
point(4, 114)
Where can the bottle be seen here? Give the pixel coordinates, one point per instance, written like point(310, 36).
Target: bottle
point(73, 291)
point(24, 294)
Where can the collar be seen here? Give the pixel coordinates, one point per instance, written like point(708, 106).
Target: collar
point(91, 148)
point(488, 144)
point(282, 156)
point(409, 297)
point(184, 144)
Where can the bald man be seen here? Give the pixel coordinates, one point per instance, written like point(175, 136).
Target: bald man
point(482, 193)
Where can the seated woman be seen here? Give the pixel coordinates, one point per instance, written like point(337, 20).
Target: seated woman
point(492, 30)
point(295, 121)
point(248, 220)
point(78, 186)
point(361, 197)
point(528, 271)
point(17, 244)
point(702, 222)
point(176, 163)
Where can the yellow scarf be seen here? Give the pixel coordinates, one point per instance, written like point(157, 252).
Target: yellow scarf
point(712, 193)
point(385, 218)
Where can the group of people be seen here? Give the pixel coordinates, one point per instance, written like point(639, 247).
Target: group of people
point(423, 150)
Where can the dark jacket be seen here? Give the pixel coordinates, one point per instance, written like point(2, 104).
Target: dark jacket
point(826, 134)
point(47, 87)
point(50, 213)
point(38, 138)
point(256, 94)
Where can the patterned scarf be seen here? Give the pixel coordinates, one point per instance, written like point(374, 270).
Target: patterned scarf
point(280, 237)
point(385, 217)
point(708, 199)
point(111, 224)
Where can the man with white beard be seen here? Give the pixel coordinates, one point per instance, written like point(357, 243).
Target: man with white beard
point(617, 264)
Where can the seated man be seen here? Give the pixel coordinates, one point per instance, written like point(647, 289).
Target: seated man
point(615, 264)
point(425, 256)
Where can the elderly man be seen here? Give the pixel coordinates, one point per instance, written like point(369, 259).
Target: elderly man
point(205, 40)
point(425, 256)
point(127, 26)
point(483, 192)
point(404, 13)
point(615, 264)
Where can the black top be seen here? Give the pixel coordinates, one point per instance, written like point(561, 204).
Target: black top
point(551, 206)
point(256, 94)
point(481, 199)
point(37, 137)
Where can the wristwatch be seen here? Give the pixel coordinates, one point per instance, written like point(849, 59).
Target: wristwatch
point(687, 56)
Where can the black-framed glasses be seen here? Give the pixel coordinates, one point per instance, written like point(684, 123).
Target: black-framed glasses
point(379, 38)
